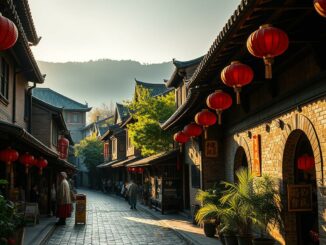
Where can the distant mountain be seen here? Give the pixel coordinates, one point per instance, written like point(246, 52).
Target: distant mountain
point(101, 81)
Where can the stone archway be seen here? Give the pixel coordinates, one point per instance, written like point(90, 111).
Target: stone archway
point(299, 126)
point(241, 152)
point(240, 160)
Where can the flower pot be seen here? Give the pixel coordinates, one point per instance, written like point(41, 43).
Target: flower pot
point(263, 241)
point(209, 229)
point(244, 240)
point(230, 240)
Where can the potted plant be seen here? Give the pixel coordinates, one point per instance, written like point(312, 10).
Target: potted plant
point(237, 199)
point(11, 223)
point(267, 212)
point(206, 214)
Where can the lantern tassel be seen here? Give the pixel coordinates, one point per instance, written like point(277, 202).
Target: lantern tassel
point(219, 117)
point(40, 171)
point(237, 91)
point(180, 146)
point(26, 169)
point(205, 133)
point(268, 67)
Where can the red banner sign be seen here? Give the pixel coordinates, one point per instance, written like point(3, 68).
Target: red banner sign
point(256, 164)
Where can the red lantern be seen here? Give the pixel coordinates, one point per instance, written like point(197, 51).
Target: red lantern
point(320, 6)
point(27, 160)
point(63, 145)
point(133, 170)
point(193, 130)
point(267, 42)
point(9, 155)
point(306, 162)
point(236, 76)
point(140, 170)
point(181, 138)
point(205, 118)
point(8, 33)
point(41, 163)
point(219, 101)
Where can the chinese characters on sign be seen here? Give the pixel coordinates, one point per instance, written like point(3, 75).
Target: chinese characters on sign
point(256, 166)
point(211, 148)
point(299, 198)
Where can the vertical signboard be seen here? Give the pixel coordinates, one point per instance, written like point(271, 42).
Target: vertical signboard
point(256, 164)
point(80, 213)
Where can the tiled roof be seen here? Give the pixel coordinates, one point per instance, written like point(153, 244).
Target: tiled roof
point(22, 47)
point(122, 111)
point(185, 64)
point(158, 158)
point(58, 100)
point(154, 88)
point(102, 130)
point(183, 69)
point(26, 18)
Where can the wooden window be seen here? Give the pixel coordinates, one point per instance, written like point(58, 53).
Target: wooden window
point(4, 78)
point(75, 117)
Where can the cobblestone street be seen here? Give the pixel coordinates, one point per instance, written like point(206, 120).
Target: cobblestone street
point(110, 221)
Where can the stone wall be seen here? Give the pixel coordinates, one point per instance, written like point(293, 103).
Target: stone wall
point(277, 140)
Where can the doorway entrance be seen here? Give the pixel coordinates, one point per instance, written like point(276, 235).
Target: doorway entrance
point(300, 224)
point(240, 161)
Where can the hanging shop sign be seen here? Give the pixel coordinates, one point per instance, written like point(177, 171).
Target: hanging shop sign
point(256, 165)
point(211, 148)
point(299, 198)
point(80, 214)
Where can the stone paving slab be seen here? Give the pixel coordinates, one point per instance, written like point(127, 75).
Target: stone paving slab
point(110, 221)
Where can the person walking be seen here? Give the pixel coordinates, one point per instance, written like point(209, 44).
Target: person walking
point(64, 199)
point(53, 200)
point(132, 194)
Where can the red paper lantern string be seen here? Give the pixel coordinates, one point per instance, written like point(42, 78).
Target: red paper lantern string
point(205, 118)
point(41, 163)
point(181, 138)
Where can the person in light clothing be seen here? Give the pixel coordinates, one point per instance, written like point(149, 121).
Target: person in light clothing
point(64, 199)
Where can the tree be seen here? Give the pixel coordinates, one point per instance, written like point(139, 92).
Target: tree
point(90, 149)
point(147, 111)
point(101, 112)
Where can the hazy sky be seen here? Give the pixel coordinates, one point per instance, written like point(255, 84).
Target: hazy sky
point(149, 31)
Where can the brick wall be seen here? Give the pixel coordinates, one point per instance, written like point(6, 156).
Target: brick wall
point(278, 141)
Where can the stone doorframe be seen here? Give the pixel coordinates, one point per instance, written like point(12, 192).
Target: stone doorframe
point(297, 126)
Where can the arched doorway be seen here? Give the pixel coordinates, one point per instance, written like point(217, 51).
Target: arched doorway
point(240, 160)
point(299, 225)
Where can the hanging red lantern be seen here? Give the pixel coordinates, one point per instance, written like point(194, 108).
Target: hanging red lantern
point(267, 42)
point(41, 163)
point(8, 156)
point(129, 169)
point(28, 160)
point(205, 118)
point(140, 170)
point(306, 162)
point(8, 33)
point(63, 145)
point(320, 6)
point(236, 76)
point(133, 170)
point(219, 101)
point(193, 130)
point(181, 138)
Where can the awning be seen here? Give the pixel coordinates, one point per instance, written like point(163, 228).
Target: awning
point(124, 162)
point(155, 159)
point(107, 164)
point(29, 143)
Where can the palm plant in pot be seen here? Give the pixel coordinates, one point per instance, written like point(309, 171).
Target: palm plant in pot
point(206, 214)
point(237, 200)
point(267, 212)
